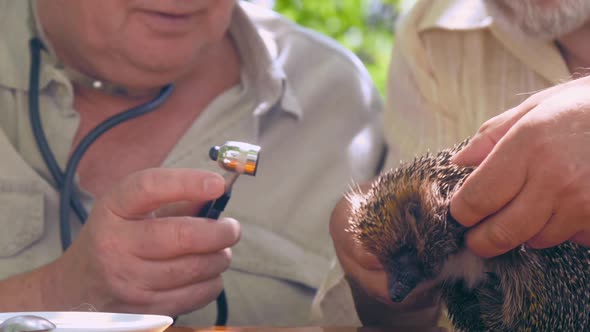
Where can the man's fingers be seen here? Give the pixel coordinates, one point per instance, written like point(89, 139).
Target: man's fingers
point(491, 186)
point(182, 271)
point(487, 137)
point(556, 231)
point(373, 283)
point(365, 259)
point(513, 225)
point(582, 238)
point(145, 191)
point(366, 270)
point(490, 133)
point(179, 300)
point(179, 209)
point(339, 223)
point(177, 236)
point(493, 130)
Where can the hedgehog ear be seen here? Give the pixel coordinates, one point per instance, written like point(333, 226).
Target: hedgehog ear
point(413, 211)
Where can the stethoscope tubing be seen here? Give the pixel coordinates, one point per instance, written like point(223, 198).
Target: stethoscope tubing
point(64, 180)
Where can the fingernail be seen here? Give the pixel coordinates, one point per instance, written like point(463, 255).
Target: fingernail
point(212, 185)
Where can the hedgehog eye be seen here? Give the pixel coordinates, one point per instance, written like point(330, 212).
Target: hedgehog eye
point(413, 212)
point(406, 255)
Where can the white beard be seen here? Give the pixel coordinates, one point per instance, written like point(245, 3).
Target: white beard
point(533, 18)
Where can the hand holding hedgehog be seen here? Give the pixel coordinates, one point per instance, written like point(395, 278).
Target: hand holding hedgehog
point(404, 220)
point(533, 181)
point(368, 282)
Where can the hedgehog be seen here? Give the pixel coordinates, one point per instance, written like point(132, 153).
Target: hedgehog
point(404, 220)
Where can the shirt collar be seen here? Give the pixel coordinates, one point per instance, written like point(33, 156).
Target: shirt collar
point(455, 15)
point(260, 55)
point(257, 47)
point(16, 17)
point(465, 15)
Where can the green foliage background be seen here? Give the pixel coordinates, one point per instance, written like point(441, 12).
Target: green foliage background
point(364, 26)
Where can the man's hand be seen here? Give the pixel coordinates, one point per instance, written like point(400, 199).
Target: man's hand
point(368, 281)
point(127, 259)
point(533, 181)
point(358, 264)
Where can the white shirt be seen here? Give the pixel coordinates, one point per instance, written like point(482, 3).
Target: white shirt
point(452, 69)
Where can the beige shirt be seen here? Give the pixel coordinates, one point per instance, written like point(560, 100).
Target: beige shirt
point(305, 100)
point(451, 70)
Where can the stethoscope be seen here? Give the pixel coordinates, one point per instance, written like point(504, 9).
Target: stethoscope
point(235, 157)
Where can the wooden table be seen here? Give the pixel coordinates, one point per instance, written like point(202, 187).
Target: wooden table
point(269, 329)
point(294, 329)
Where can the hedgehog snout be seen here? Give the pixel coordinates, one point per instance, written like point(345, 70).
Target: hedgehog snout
point(399, 291)
point(404, 273)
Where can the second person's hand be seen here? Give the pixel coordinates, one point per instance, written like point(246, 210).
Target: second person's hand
point(368, 281)
point(532, 184)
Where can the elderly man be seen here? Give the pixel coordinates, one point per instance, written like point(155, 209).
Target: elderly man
point(456, 64)
point(239, 72)
point(475, 60)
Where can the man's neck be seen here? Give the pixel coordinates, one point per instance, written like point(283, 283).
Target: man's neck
point(576, 50)
point(216, 72)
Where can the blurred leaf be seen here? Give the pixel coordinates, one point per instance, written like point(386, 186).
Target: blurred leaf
point(366, 27)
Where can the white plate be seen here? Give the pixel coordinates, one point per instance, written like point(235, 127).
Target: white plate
point(69, 321)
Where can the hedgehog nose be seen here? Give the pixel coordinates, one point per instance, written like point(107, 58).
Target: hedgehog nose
point(398, 292)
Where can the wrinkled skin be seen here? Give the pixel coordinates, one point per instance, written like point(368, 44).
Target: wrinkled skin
point(532, 184)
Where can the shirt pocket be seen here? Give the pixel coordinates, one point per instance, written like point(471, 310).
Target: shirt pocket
point(269, 254)
point(21, 216)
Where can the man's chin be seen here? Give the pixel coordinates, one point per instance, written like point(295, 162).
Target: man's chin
point(527, 19)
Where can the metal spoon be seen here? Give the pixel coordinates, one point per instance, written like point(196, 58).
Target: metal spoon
point(26, 323)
